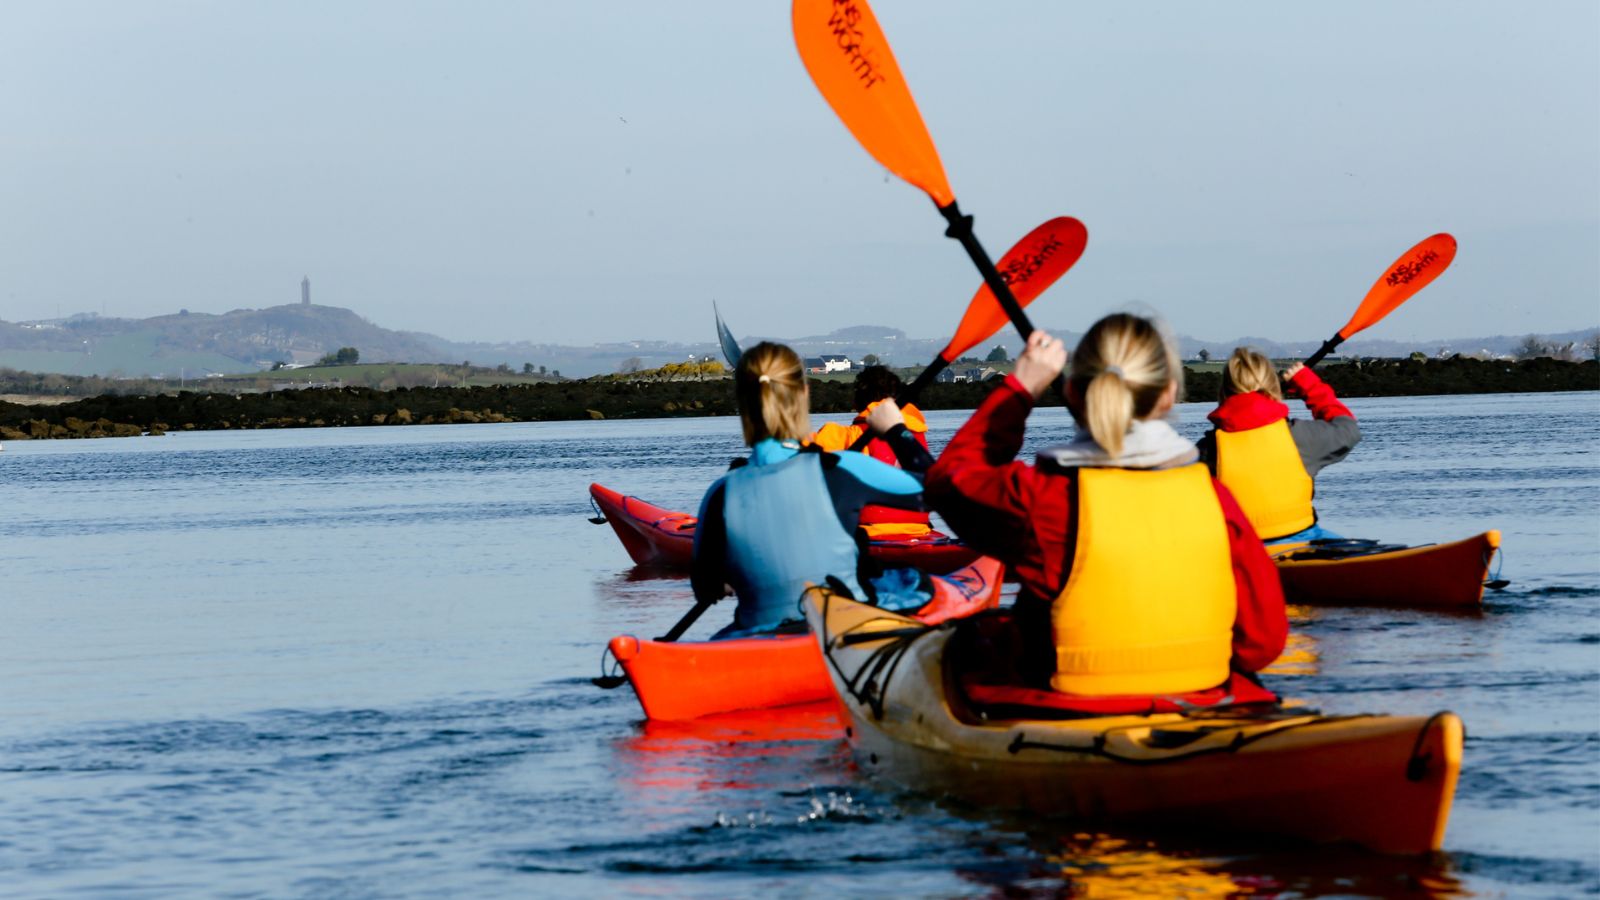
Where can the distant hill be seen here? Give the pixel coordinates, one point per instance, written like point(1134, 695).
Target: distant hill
point(248, 340)
point(244, 340)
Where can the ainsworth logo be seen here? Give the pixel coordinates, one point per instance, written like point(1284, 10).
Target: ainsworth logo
point(1412, 269)
point(1024, 267)
point(844, 21)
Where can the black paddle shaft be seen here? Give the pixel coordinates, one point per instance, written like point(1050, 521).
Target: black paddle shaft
point(961, 229)
point(694, 613)
point(1328, 346)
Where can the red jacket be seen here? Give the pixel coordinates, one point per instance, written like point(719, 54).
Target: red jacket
point(1242, 412)
point(1018, 513)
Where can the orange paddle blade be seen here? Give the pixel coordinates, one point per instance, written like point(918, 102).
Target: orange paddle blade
point(849, 58)
point(1409, 274)
point(1029, 267)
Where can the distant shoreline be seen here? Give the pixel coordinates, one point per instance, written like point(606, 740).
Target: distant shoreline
point(600, 398)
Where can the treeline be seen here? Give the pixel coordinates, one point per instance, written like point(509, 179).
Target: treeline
point(1419, 376)
point(606, 398)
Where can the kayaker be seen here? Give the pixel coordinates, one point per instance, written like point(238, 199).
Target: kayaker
point(787, 515)
point(1141, 577)
point(1267, 459)
point(875, 384)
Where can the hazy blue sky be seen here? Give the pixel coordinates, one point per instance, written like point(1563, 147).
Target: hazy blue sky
point(596, 171)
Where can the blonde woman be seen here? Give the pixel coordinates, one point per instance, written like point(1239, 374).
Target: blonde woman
point(1265, 458)
point(787, 515)
point(1142, 581)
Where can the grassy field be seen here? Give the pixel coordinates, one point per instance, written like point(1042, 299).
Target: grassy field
point(133, 354)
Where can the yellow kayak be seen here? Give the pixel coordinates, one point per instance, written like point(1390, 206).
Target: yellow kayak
point(1384, 782)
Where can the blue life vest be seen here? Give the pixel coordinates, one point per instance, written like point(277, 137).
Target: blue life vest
point(782, 532)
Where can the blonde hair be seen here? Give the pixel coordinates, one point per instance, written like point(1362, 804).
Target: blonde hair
point(1249, 370)
point(770, 385)
point(1120, 369)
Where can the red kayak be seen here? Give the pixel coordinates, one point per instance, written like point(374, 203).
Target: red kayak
point(689, 679)
point(1364, 572)
point(661, 537)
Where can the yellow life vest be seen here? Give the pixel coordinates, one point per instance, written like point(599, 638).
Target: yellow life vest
point(1262, 469)
point(1150, 603)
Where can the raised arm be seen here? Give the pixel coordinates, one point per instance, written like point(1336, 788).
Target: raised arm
point(886, 420)
point(1319, 398)
point(1332, 433)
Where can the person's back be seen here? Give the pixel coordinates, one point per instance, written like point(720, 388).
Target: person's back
point(1140, 575)
point(873, 385)
point(786, 516)
point(1268, 460)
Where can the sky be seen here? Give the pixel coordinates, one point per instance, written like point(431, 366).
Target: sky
point(602, 171)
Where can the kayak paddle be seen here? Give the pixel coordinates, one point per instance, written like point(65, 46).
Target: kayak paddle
point(1029, 267)
point(1409, 274)
point(730, 347)
point(849, 58)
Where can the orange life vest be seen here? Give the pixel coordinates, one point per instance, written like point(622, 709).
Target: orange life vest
point(1149, 606)
point(879, 522)
point(1262, 468)
point(836, 438)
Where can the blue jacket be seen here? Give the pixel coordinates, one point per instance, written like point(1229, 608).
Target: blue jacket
point(786, 518)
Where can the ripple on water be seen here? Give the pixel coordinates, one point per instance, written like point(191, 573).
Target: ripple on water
point(354, 663)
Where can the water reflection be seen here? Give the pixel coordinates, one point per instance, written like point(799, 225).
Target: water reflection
point(722, 752)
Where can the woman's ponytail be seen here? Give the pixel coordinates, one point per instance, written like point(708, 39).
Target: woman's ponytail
point(1121, 368)
point(1108, 406)
point(770, 385)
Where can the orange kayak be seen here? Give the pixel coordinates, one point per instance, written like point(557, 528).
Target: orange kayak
point(1432, 575)
point(689, 679)
point(654, 536)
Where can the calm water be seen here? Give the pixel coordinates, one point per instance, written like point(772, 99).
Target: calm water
point(354, 662)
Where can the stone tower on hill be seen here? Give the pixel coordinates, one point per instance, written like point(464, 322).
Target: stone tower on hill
point(305, 291)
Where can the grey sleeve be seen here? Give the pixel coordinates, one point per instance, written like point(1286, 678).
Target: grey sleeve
point(1322, 444)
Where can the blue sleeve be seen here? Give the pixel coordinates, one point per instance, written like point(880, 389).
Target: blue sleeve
point(855, 480)
point(879, 476)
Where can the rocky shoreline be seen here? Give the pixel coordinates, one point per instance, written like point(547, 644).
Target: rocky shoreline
point(122, 416)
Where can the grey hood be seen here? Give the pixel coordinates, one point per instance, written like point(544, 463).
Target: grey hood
point(1150, 444)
